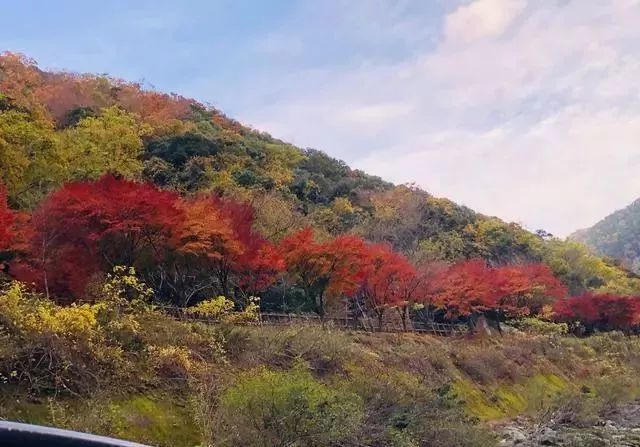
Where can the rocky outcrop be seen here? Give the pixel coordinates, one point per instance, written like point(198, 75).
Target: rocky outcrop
point(617, 428)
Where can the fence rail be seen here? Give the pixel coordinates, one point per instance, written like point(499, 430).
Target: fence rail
point(343, 323)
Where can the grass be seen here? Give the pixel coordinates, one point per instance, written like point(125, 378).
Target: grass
point(408, 384)
point(157, 418)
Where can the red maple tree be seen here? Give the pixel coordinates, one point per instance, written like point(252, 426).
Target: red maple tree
point(465, 289)
point(386, 276)
point(600, 311)
point(218, 236)
point(307, 265)
point(525, 289)
point(86, 227)
point(324, 269)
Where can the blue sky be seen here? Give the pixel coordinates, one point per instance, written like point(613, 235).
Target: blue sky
point(528, 110)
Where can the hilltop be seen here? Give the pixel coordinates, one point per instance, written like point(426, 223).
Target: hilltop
point(616, 236)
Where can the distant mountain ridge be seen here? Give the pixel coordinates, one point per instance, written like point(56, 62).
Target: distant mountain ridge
point(616, 236)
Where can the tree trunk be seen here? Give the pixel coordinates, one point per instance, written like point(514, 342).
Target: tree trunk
point(380, 317)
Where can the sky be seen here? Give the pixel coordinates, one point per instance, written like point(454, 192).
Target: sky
point(528, 110)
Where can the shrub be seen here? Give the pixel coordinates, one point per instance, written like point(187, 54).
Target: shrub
point(173, 362)
point(80, 348)
point(324, 351)
point(203, 340)
point(220, 309)
point(54, 348)
point(214, 308)
point(542, 327)
point(265, 408)
point(400, 412)
point(123, 287)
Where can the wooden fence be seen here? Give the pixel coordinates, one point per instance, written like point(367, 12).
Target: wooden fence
point(343, 323)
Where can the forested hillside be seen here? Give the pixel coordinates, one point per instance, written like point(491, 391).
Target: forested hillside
point(59, 127)
point(616, 236)
point(143, 235)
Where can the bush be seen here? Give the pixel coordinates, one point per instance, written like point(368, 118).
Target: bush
point(402, 412)
point(220, 309)
point(265, 408)
point(214, 308)
point(54, 348)
point(80, 348)
point(542, 327)
point(323, 350)
point(173, 362)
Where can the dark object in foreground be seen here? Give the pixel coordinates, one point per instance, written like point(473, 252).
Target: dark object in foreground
point(13, 434)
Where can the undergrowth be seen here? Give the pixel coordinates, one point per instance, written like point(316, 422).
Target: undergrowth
point(124, 369)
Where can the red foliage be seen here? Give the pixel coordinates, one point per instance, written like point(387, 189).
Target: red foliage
point(19, 76)
point(6, 220)
point(86, 226)
point(525, 289)
point(257, 263)
point(63, 92)
point(152, 107)
point(600, 311)
point(345, 257)
point(306, 264)
point(58, 93)
point(472, 287)
point(422, 286)
point(260, 269)
point(466, 288)
point(386, 277)
point(333, 267)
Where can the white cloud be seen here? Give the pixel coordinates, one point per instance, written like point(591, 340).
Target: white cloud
point(526, 111)
point(376, 113)
point(481, 19)
point(560, 174)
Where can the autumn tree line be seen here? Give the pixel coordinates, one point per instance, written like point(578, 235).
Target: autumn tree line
point(99, 172)
point(192, 248)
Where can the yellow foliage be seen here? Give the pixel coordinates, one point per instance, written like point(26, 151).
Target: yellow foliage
point(111, 142)
point(29, 314)
point(171, 361)
point(214, 308)
point(342, 205)
point(123, 287)
point(221, 309)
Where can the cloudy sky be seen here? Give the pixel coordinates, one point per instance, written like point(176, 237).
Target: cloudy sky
point(524, 109)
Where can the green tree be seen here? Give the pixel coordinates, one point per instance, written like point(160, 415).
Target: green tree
point(30, 157)
point(111, 142)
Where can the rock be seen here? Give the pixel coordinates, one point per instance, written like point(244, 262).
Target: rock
point(513, 436)
point(548, 436)
point(620, 427)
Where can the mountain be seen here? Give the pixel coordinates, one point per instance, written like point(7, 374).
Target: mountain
point(616, 236)
point(57, 127)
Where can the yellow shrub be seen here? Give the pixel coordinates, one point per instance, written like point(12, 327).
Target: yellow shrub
point(123, 287)
point(54, 347)
point(214, 308)
point(171, 361)
point(220, 309)
point(250, 314)
point(76, 321)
